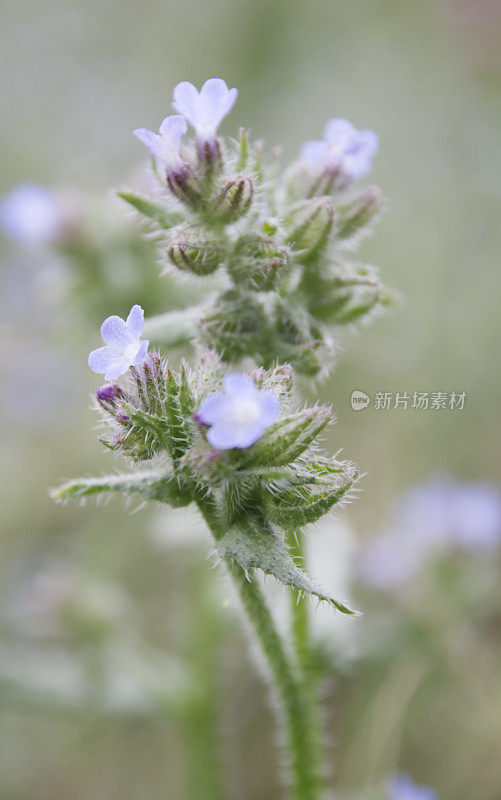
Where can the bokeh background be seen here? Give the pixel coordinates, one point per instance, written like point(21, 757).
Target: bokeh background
point(124, 672)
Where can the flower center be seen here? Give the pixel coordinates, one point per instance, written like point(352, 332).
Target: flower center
point(245, 413)
point(131, 351)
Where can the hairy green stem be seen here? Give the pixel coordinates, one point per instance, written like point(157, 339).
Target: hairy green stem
point(301, 636)
point(174, 328)
point(301, 737)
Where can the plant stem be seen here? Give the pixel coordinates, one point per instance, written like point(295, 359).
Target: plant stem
point(174, 328)
point(301, 737)
point(301, 636)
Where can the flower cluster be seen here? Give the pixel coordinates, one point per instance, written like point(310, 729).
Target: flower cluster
point(280, 244)
point(207, 436)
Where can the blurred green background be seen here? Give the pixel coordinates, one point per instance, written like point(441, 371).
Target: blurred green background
point(80, 77)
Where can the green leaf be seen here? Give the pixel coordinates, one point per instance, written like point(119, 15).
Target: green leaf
point(154, 211)
point(153, 484)
point(255, 547)
point(179, 436)
point(288, 438)
point(150, 426)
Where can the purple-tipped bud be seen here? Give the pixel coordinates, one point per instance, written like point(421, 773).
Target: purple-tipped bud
point(184, 185)
point(108, 392)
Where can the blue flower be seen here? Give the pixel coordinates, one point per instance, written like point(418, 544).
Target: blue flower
point(206, 109)
point(430, 520)
point(31, 215)
point(238, 416)
point(124, 347)
point(400, 787)
point(343, 149)
point(165, 145)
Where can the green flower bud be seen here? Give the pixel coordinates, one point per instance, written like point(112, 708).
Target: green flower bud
point(256, 262)
point(355, 216)
point(234, 199)
point(312, 224)
point(199, 256)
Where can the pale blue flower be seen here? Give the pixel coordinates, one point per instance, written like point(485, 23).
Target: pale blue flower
point(343, 149)
point(165, 145)
point(428, 521)
point(400, 787)
point(31, 215)
point(238, 416)
point(124, 347)
point(206, 109)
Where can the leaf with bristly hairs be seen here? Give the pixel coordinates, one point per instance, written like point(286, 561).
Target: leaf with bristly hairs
point(153, 484)
point(153, 211)
point(254, 546)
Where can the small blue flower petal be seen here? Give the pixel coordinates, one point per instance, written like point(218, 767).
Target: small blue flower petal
point(114, 332)
point(99, 359)
point(269, 408)
point(143, 349)
point(221, 436)
point(235, 384)
point(212, 408)
point(206, 109)
point(135, 321)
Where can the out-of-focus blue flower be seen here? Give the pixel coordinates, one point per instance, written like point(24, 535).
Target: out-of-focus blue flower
point(477, 518)
point(206, 109)
point(124, 347)
point(343, 149)
point(428, 520)
point(165, 145)
point(31, 215)
point(238, 416)
point(400, 787)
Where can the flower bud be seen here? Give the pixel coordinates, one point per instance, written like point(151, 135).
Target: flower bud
point(108, 395)
point(355, 216)
point(198, 257)
point(234, 199)
point(184, 185)
point(312, 226)
point(256, 262)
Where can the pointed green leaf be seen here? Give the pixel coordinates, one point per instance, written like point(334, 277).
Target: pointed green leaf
point(154, 211)
point(150, 426)
point(179, 436)
point(255, 547)
point(153, 484)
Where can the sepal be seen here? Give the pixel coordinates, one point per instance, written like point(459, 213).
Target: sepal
point(288, 438)
point(311, 227)
point(233, 200)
